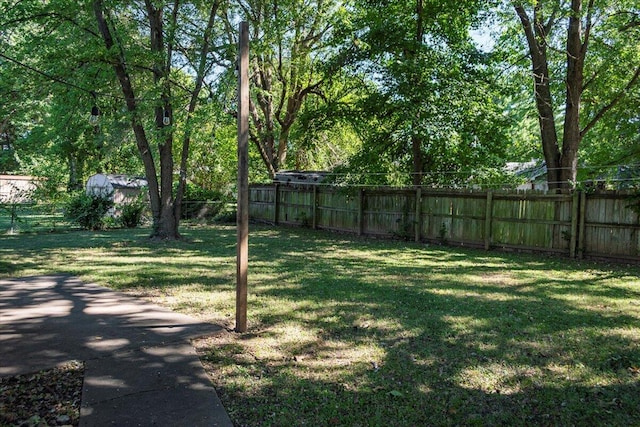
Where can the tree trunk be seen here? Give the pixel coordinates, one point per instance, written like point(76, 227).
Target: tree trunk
point(165, 225)
point(418, 164)
point(75, 172)
point(416, 142)
point(265, 153)
point(536, 41)
point(283, 149)
point(562, 162)
point(546, 119)
point(575, 80)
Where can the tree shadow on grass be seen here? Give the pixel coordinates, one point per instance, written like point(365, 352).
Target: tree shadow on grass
point(462, 339)
point(140, 368)
point(455, 337)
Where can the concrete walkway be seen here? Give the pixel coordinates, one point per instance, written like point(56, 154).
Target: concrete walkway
point(140, 368)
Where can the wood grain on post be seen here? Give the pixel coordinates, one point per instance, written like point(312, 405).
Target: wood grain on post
point(243, 179)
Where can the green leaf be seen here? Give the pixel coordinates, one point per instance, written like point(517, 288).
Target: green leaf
point(395, 393)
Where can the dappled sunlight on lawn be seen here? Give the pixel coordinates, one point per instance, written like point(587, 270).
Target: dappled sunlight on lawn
point(343, 330)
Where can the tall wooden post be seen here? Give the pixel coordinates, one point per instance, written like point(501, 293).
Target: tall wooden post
point(243, 179)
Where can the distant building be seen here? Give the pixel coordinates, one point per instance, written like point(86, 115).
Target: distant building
point(299, 177)
point(17, 188)
point(122, 188)
point(619, 177)
point(534, 172)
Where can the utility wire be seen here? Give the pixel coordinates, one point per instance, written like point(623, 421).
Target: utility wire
point(48, 76)
point(64, 82)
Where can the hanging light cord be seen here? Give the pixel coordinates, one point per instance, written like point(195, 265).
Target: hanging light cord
point(48, 76)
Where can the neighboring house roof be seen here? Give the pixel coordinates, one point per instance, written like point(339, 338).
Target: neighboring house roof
point(534, 170)
point(299, 177)
point(9, 177)
point(17, 188)
point(116, 181)
point(125, 181)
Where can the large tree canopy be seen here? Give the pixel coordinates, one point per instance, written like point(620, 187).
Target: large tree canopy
point(291, 51)
point(140, 62)
point(432, 107)
point(584, 62)
point(393, 91)
point(179, 35)
point(46, 61)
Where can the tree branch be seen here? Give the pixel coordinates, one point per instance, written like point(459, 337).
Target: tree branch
point(49, 15)
point(612, 103)
point(132, 105)
point(588, 27)
point(527, 27)
point(200, 73)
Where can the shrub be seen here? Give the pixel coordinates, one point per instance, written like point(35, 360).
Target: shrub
point(88, 211)
point(227, 215)
point(200, 203)
point(131, 215)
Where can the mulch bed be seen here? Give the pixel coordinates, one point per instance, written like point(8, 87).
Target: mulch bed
point(45, 398)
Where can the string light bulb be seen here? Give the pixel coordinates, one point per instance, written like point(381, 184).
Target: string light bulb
point(95, 112)
point(95, 115)
point(166, 120)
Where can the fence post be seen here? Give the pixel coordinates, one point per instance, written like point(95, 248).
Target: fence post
point(487, 220)
point(276, 204)
point(418, 218)
point(582, 224)
point(575, 206)
point(361, 212)
point(314, 209)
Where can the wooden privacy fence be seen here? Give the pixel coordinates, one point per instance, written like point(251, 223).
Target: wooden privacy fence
point(577, 224)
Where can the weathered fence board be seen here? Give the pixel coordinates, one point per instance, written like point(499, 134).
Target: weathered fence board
point(295, 207)
point(611, 227)
point(595, 225)
point(532, 221)
point(337, 210)
point(389, 213)
point(451, 217)
point(262, 203)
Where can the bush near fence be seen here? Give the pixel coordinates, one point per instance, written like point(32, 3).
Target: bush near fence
point(577, 224)
point(201, 209)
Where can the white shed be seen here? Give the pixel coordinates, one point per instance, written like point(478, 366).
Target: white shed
point(122, 188)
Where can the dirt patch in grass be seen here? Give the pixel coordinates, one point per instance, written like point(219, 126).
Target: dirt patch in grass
point(45, 398)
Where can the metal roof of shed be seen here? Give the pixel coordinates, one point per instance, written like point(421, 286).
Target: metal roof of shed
point(126, 181)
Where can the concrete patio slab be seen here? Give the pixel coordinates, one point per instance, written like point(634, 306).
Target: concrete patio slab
point(140, 368)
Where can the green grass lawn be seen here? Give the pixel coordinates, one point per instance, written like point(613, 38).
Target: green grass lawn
point(349, 332)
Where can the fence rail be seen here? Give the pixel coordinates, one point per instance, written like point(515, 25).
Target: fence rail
point(32, 217)
point(578, 224)
point(46, 217)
